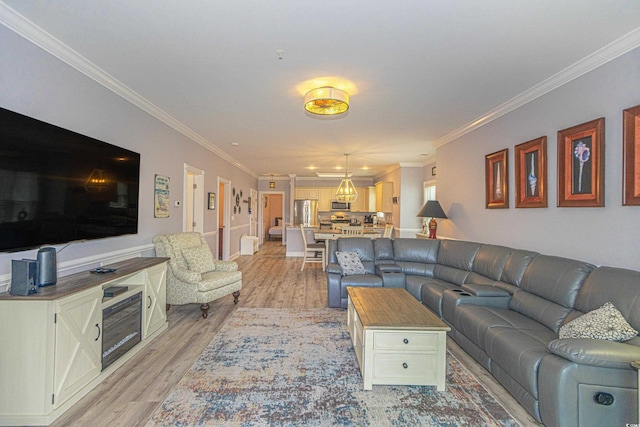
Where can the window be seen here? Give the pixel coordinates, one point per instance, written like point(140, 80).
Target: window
point(429, 191)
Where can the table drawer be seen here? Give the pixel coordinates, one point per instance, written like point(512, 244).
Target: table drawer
point(394, 368)
point(405, 341)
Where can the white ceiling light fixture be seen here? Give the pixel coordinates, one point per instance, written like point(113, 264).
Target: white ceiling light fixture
point(346, 191)
point(326, 101)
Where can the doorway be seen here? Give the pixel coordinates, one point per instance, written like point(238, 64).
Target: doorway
point(193, 203)
point(271, 207)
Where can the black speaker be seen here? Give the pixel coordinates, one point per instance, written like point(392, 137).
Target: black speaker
point(47, 267)
point(23, 277)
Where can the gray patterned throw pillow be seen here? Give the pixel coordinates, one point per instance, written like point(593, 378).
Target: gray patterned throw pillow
point(199, 259)
point(604, 323)
point(350, 263)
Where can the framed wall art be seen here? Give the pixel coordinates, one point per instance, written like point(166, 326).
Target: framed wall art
point(161, 196)
point(497, 179)
point(211, 205)
point(531, 173)
point(631, 157)
point(581, 165)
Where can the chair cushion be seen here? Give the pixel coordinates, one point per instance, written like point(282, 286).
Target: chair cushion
point(199, 259)
point(604, 323)
point(350, 263)
point(218, 279)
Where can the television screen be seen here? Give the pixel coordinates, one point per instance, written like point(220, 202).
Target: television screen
point(58, 186)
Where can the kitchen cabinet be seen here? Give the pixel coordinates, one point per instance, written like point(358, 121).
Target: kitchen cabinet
point(371, 191)
point(52, 341)
point(384, 197)
point(325, 197)
point(303, 193)
point(362, 202)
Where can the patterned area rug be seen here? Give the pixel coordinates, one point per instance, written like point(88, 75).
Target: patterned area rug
point(290, 367)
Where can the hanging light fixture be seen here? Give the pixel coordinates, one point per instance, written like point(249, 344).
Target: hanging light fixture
point(96, 182)
point(326, 101)
point(346, 190)
point(272, 183)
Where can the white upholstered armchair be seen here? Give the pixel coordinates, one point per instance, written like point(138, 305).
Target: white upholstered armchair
point(194, 276)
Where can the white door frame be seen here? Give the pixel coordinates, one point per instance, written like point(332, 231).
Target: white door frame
point(193, 199)
point(253, 218)
point(261, 196)
point(226, 225)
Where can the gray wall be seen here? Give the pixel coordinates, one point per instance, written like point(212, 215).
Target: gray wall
point(34, 83)
point(603, 236)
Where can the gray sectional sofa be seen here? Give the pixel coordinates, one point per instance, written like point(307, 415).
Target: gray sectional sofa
point(506, 307)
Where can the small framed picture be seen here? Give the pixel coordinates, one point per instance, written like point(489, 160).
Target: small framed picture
point(497, 180)
point(212, 201)
point(433, 171)
point(581, 165)
point(531, 173)
point(631, 157)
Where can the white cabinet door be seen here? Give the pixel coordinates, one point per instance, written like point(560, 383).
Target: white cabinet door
point(78, 348)
point(155, 300)
point(325, 197)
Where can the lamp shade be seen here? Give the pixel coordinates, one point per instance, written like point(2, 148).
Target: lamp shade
point(431, 209)
point(326, 100)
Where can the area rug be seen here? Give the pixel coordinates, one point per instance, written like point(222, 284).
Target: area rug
point(297, 367)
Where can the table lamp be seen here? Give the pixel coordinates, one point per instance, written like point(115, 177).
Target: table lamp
point(433, 210)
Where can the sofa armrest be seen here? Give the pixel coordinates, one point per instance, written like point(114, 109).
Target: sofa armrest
point(333, 268)
point(225, 265)
point(485, 290)
point(388, 267)
point(601, 353)
point(185, 275)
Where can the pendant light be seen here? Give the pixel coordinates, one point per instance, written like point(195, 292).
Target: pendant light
point(346, 190)
point(272, 183)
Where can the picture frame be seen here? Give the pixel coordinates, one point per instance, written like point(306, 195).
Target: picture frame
point(497, 179)
point(161, 196)
point(631, 156)
point(211, 205)
point(531, 173)
point(433, 171)
point(581, 165)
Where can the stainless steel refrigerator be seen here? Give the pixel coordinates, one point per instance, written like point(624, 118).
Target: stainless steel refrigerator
point(305, 212)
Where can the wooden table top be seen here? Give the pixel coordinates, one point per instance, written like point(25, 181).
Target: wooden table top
point(392, 308)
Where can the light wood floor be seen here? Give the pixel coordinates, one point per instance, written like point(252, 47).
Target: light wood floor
point(131, 394)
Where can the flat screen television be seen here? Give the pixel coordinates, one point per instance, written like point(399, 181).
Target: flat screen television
point(57, 186)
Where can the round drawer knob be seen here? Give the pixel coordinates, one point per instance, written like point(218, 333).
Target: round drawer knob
point(405, 366)
point(406, 341)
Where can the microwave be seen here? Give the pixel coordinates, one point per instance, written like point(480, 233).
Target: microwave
point(340, 206)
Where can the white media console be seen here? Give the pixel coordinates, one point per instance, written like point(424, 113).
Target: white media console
point(51, 354)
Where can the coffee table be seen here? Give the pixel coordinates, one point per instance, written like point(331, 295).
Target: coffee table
point(396, 339)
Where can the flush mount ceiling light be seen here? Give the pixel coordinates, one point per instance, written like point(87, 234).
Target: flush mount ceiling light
point(326, 101)
point(346, 191)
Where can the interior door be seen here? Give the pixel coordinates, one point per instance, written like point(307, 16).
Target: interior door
point(193, 203)
point(253, 219)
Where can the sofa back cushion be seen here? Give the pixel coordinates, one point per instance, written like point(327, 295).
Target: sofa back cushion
point(619, 286)
point(549, 288)
point(516, 265)
point(416, 250)
point(363, 246)
point(457, 254)
point(490, 260)
point(383, 249)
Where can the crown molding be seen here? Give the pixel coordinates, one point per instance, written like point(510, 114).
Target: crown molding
point(613, 50)
point(50, 44)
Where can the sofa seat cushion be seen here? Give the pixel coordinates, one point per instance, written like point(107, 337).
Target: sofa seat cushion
point(218, 279)
point(361, 280)
point(474, 321)
point(431, 291)
point(519, 352)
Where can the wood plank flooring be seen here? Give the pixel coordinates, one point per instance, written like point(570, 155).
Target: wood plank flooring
point(270, 280)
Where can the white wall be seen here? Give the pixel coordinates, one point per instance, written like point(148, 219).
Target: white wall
point(34, 83)
point(603, 236)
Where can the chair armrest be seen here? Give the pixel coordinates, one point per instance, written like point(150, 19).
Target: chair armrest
point(185, 275)
point(602, 353)
point(334, 268)
point(485, 290)
point(225, 265)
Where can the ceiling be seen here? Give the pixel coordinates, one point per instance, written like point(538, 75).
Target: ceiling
point(419, 72)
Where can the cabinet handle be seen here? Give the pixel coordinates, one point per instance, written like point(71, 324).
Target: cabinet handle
point(149, 306)
point(99, 332)
point(405, 366)
point(406, 341)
